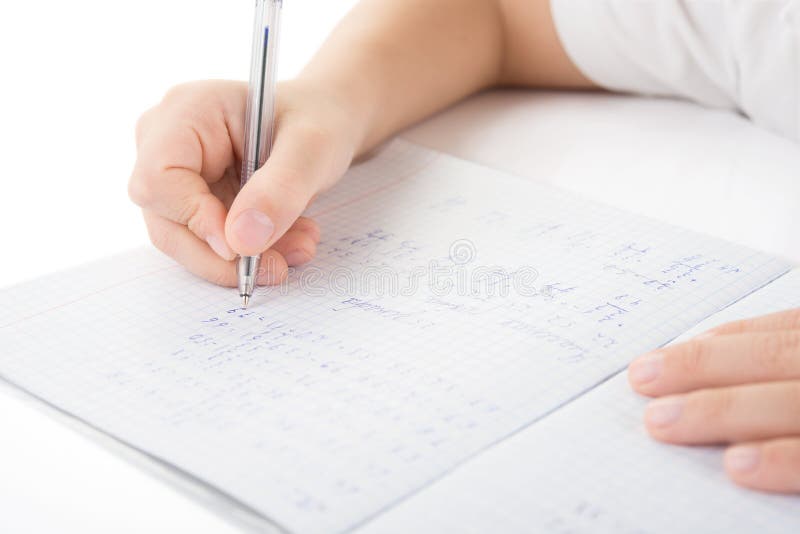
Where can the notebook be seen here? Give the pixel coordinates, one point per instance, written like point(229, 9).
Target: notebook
point(452, 311)
point(590, 467)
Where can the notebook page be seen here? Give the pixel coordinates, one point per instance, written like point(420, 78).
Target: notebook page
point(591, 467)
point(450, 305)
point(32, 298)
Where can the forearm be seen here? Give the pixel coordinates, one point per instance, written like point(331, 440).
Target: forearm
point(393, 62)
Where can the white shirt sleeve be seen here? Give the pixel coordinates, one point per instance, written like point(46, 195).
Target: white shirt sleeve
point(737, 54)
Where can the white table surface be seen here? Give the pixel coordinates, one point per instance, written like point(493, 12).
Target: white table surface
point(704, 169)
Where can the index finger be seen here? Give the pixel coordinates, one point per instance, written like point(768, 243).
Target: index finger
point(725, 360)
point(184, 144)
point(178, 193)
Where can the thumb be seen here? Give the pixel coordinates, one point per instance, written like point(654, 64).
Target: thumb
point(301, 163)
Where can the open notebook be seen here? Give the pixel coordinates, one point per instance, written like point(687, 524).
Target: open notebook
point(442, 365)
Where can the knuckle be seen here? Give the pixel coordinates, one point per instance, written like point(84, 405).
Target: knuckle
point(790, 340)
point(197, 102)
point(140, 190)
point(734, 327)
point(142, 124)
point(199, 210)
point(162, 240)
point(713, 405)
point(770, 351)
point(189, 213)
point(766, 350)
point(178, 93)
point(793, 319)
point(693, 357)
point(185, 213)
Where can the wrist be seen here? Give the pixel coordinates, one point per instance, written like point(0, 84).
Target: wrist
point(331, 122)
point(348, 108)
point(333, 109)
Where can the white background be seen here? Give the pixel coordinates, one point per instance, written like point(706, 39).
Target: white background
point(75, 77)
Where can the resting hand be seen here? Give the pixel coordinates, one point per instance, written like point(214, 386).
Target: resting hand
point(738, 384)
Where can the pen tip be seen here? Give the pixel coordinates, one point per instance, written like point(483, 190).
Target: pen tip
point(245, 300)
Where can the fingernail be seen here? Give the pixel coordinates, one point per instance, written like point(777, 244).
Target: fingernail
point(254, 229)
point(297, 257)
point(647, 368)
point(220, 247)
point(664, 412)
point(743, 458)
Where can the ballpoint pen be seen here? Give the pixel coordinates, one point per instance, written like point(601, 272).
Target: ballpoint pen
point(260, 117)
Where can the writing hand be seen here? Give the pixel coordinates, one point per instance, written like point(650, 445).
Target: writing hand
point(186, 178)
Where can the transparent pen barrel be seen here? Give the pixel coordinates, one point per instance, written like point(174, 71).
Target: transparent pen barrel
point(260, 103)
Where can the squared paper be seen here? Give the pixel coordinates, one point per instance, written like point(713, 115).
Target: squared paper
point(450, 306)
point(591, 467)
